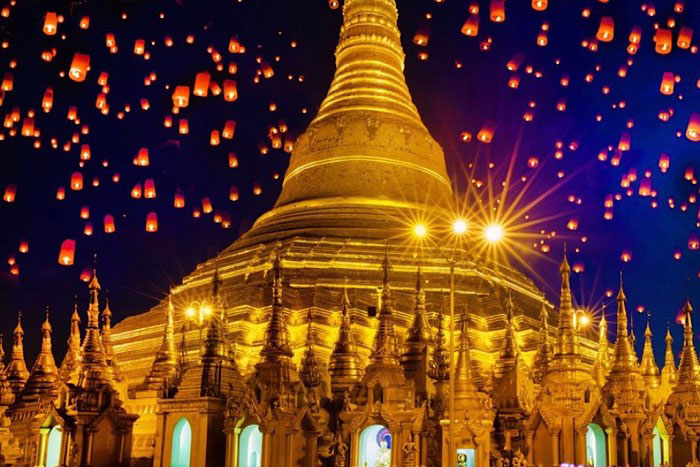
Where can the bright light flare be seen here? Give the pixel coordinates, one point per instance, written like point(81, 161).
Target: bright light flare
point(189, 312)
point(493, 233)
point(459, 227)
point(420, 231)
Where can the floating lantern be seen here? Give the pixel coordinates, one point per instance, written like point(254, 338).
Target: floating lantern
point(233, 193)
point(572, 224)
point(422, 36)
point(498, 11)
point(692, 132)
point(486, 133)
point(179, 201)
point(23, 246)
point(183, 127)
point(229, 129)
point(539, 5)
point(214, 139)
point(232, 160)
point(471, 26)
point(626, 256)
point(606, 29)
point(47, 100)
point(152, 222)
point(257, 189)
point(206, 206)
point(76, 181)
point(50, 23)
point(87, 230)
point(149, 188)
point(201, 84)
point(139, 46)
point(141, 158)
point(85, 152)
point(86, 274)
point(664, 162)
point(685, 36)
point(230, 90)
point(66, 255)
point(136, 191)
point(663, 38)
point(85, 212)
point(84, 22)
point(60, 193)
point(624, 144)
point(79, 67)
point(109, 224)
point(181, 96)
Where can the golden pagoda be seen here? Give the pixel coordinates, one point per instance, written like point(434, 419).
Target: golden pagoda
point(321, 336)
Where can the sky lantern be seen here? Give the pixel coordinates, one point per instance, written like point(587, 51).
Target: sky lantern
point(645, 187)
point(230, 90)
point(689, 173)
point(667, 83)
point(79, 67)
point(572, 224)
point(109, 224)
point(23, 246)
point(152, 222)
point(84, 22)
point(498, 11)
point(179, 201)
point(85, 152)
point(149, 188)
point(201, 84)
point(76, 181)
point(50, 23)
point(233, 193)
point(86, 274)
point(136, 191)
point(87, 230)
point(229, 129)
point(7, 82)
point(60, 193)
point(486, 133)
point(515, 62)
point(206, 206)
point(606, 29)
point(47, 100)
point(664, 162)
point(626, 256)
point(183, 127)
point(232, 160)
point(624, 144)
point(471, 26)
point(139, 46)
point(110, 41)
point(693, 130)
point(663, 39)
point(267, 70)
point(66, 255)
point(257, 189)
point(141, 158)
point(181, 96)
point(288, 144)
point(214, 138)
point(422, 36)
point(85, 212)
point(694, 241)
point(685, 36)
point(539, 5)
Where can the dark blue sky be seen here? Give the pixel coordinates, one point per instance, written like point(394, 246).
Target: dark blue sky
point(137, 267)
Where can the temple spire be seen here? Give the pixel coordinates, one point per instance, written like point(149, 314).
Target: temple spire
point(94, 371)
point(312, 369)
point(43, 380)
point(440, 362)
point(648, 367)
point(107, 340)
point(688, 368)
point(601, 367)
point(344, 364)
point(625, 357)
point(17, 372)
point(70, 361)
point(384, 347)
point(509, 353)
point(164, 366)
point(544, 350)
point(414, 357)
point(566, 345)
point(669, 374)
point(466, 382)
point(276, 344)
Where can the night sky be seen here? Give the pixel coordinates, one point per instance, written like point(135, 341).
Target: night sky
point(457, 89)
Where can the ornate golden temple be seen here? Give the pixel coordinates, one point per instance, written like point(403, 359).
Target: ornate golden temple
point(320, 339)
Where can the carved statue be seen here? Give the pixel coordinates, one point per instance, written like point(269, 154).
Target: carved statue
point(341, 450)
point(409, 454)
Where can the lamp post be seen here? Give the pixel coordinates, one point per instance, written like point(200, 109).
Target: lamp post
point(197, 312)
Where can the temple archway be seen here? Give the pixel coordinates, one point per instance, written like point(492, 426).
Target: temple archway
point(595, 446)
point(250, 447)
point(375, 446)
point(182, 444)
point(53, 447)
point(660, 445)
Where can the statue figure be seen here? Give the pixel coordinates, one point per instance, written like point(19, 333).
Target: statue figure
point(341, 450)
point(409, 454)
point(384, 455)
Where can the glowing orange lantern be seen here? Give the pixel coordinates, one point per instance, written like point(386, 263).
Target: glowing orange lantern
point(87, 230)
point(663, 40)
point(471, 26)
point(23, 246)
point(85, 212)
point(667, 83)
point(233, 193)
point(692, 132)
point(79, 67)
point(152, 222)
point(109, 224)
point(214, 139)
point(181, 96)
point(572, 224)
point(693, 241)
point(232, 160)
point(230, 90)
point(485, 135)
point(50, 23)
point(664, 162)
point(498, 11)
point(149, 188)
point(179, 201)
point(624, 144)
point(61, 193)
point(47, 100)
point(257, 189)
point(685, 36)
point(206, 206)
point(141, 158)
point(76, 181)
point(84, 22)
point(606, 29)
point(139, 46)
point(66, 255)
point(136, 191)
point(539, 5)
point(229, 129)
point(201, 84)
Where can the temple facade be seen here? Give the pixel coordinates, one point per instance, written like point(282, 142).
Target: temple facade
point(323, 337)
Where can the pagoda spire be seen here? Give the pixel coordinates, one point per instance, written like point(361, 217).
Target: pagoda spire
point(688, 368)
point(384, 347)
point(414, 357)
point(17, 372)
point(311, 372)
point(107, 340)
point(466, 381)
point(440, 362)
point(509, 353)
point(344, 364)
point(543, 356)
point(94, 371)
point(70, 361)
point(6, 394)
point(625, 357)
point(276, 344)
point(601, 367)
point(648, 367)
point(566, 345)
point(164, 366)
point(43, 379)
point(669, 373)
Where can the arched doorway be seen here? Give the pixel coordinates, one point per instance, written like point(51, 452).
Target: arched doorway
point(660, 445)
point(250, 447)
point(182, 444)
point(595, 446)
point(53, 447)
point(375, 447)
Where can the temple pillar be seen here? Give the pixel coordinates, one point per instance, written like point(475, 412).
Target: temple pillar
point(232, 437)
point(670, 449)
point(265, 456)
point(625, 450)
point(530, 443)
point(90, 436)
point(483, 448)
point(693, 448)
point(160, 444)
point(353, 448)
point(555, 446)
point(423, 446)
point(311, 449)
point(581, 446)
point(43, 442)
point(647, 451)
point(612, 445)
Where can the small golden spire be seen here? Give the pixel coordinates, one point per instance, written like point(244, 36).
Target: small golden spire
point(43, 380)
point(467, 382)
point(544, 350)
point(107, 340)
point(440, 362)
point(509, 353)
point(344, 364)
point(625, 357)
point(384, 347)
point(312, 368)
point(688, 368)
point(566, 343)
point(69, 364)
point(414, 355)
point(650, 371)
point(601, 367)
point(276, 344)
point(669, 374)
point(17, 372)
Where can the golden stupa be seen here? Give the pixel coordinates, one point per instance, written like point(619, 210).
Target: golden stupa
point(323, 338)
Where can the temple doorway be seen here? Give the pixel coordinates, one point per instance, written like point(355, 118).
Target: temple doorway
point(375, 447)
point(595, 446)
point(53, 447)
point(182, 444)
point(660, 445)
point(250, 448)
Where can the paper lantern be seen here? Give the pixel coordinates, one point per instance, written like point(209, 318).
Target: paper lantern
point(606, 29)
point(471, 26)
point(214, 138)
point(685, 36)
point(87, 230)
point(23, 246)
point(206, 206)
point(109, 224)
point(152, 222)
point(232, 160)
point(515, 62)
point(693, 241)
point(47, 100)
point(79, 67)
point(667, 83)
point(66, 255)
point(539, 5)
point(267, 70)
point(168, 121)
point(85, 212)
point(201, 84)
point(233, 193)
point(85, 152)
point(486, 133)
point(692, 132)
point(663, 39)
point(139, 46)
point(288, 144)
point(141, 158)
point(257, 189)
point(664, 162)
point(498, 11)
point(572, 224)
point(50, 23)
point(230, 90)
point(60, 193)
point(181, 96)
point(229, 129)
point(624, 144)
point(422, 35)
point(179, 201)
point(84, 22)
point(76, 181)
point(136, 191)
point(183, 126)
point(149, 189)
